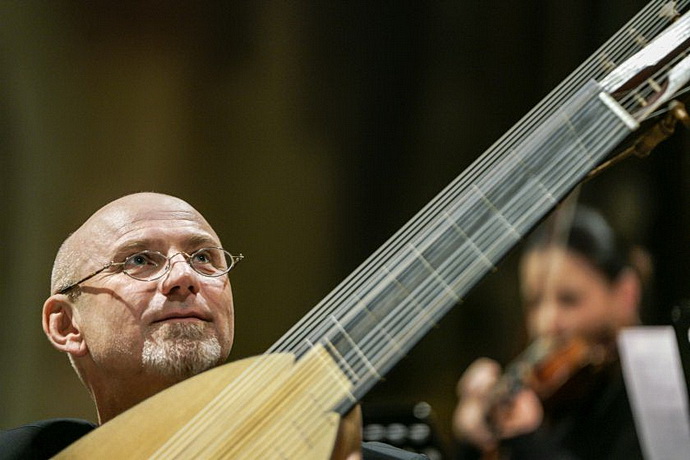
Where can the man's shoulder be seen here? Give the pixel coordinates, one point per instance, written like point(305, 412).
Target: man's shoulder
point(42, 439)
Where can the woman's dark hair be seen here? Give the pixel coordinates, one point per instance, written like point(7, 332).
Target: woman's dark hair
point(587, 234)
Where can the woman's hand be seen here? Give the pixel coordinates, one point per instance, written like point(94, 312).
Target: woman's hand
point(481, 419)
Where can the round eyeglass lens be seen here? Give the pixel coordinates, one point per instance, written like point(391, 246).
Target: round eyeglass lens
point(145, 265)
point(211, 261)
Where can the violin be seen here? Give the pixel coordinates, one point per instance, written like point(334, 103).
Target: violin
point(548, 364)
point(558, 370)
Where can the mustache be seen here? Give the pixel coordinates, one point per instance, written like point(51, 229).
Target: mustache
point(175, 331)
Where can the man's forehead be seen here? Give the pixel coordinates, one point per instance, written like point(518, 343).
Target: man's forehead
point(159, 216)
point(148, 217)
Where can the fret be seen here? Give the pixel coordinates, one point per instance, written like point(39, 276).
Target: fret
point(638, 38)
point(435, 274)
point(327, 367)
point(411, 276)
point(484, 224)
point(410, 272)
point(447, 243)
point(354, 347)
point(415, 289)
point(484, 259)
point(382, 320)
point(342, 362)
point(495, 210)
point(568, 124)
point(363, 318)
point(391, 340)
point(470, 226)
point(551, 199)
point(607, 64)
point(534, 182)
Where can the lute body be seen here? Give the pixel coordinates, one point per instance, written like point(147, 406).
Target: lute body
point(199, 418)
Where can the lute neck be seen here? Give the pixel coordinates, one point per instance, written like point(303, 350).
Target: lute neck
point(372, 319)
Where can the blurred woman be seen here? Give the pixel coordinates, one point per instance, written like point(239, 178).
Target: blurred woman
point(578, 289)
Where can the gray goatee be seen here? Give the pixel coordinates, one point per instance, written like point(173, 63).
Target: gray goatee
point(180, 350)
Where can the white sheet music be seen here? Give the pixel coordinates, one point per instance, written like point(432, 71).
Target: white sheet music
point(656, 389)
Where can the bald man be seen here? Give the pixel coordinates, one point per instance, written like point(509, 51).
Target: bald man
point(140, 302)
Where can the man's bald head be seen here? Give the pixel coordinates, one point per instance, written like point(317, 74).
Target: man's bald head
point(128, 337)
point(83, 250)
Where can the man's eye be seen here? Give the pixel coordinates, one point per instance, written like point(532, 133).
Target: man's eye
point(139, 260)
point(202, 258)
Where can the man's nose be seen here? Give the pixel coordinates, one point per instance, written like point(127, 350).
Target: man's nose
point(181, 279)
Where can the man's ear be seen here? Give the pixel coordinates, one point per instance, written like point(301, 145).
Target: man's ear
point(60, 323)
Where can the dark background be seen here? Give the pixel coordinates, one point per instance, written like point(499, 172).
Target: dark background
point(307, 133)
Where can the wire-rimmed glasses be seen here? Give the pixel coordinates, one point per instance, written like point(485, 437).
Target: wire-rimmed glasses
point(152, 265)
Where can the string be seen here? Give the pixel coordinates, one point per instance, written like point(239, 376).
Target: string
point(389, 270)
point(403, 320)
point(370, 277)
point(559, 95)
point(650, 89)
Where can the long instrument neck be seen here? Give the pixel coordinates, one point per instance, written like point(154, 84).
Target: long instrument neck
point(372, 319)
point(405, 289)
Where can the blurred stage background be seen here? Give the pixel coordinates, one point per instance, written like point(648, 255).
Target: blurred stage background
point(307, 133)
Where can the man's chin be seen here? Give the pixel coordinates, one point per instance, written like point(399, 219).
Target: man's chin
point(181, 349)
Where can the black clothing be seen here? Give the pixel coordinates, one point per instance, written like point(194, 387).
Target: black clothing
point(41, 440)
point(597, 423)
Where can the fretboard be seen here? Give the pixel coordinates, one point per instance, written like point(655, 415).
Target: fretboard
point(462, 235)
point(372, 319)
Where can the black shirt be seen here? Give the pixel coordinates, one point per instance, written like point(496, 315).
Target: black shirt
point(43, 439)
